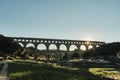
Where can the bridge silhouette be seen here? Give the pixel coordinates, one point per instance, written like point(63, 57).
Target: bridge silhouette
point(24, 41)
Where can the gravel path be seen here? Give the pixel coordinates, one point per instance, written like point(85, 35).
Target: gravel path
point(3, 72)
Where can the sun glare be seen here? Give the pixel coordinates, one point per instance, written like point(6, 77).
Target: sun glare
point(88, 39)
point(88, 36)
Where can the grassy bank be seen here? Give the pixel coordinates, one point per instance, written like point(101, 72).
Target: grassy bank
point(48, 71)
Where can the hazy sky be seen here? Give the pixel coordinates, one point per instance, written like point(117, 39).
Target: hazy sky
point(62, 19)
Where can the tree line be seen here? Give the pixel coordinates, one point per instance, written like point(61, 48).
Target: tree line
point(109, 49)
point(8, 46)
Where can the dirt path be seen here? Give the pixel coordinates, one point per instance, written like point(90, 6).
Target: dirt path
point(3, 72)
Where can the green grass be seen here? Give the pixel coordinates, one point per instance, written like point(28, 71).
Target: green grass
point(49, 71)
point(105, 72)
point(38, 72)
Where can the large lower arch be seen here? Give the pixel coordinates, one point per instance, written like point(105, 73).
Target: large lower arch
point(83, 47)
point(90, 47)
point(73, 47)
point(97, 46)
point(63, 47)
point(52, 47)
point(21, 44)
point(30, 45)
point(41, 47)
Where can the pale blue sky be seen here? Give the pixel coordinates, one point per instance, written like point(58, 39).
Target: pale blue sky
point(61, 19)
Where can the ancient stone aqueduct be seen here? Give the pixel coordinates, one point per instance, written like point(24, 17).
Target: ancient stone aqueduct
point(57, 42)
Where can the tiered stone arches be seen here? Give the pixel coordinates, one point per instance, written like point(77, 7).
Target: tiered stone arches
point(57, 44)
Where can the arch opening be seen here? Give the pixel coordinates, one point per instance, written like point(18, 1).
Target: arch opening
point(21, 44)
point(41, 47)
point(52, 47)
point(83, 47)
point(30, 45)
point(63, 47)
point(73, 47)
point(97, 45)
point(90, 47)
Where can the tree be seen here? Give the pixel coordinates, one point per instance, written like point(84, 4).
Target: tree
point(8, 46)
point(109, 49)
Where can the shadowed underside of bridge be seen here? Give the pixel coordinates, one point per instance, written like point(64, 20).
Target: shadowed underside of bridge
point(56, 42)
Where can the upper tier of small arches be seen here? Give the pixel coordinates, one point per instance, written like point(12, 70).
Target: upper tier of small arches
point(56, 41)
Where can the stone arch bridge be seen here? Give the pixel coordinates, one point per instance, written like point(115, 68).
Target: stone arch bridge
point(57, 42)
